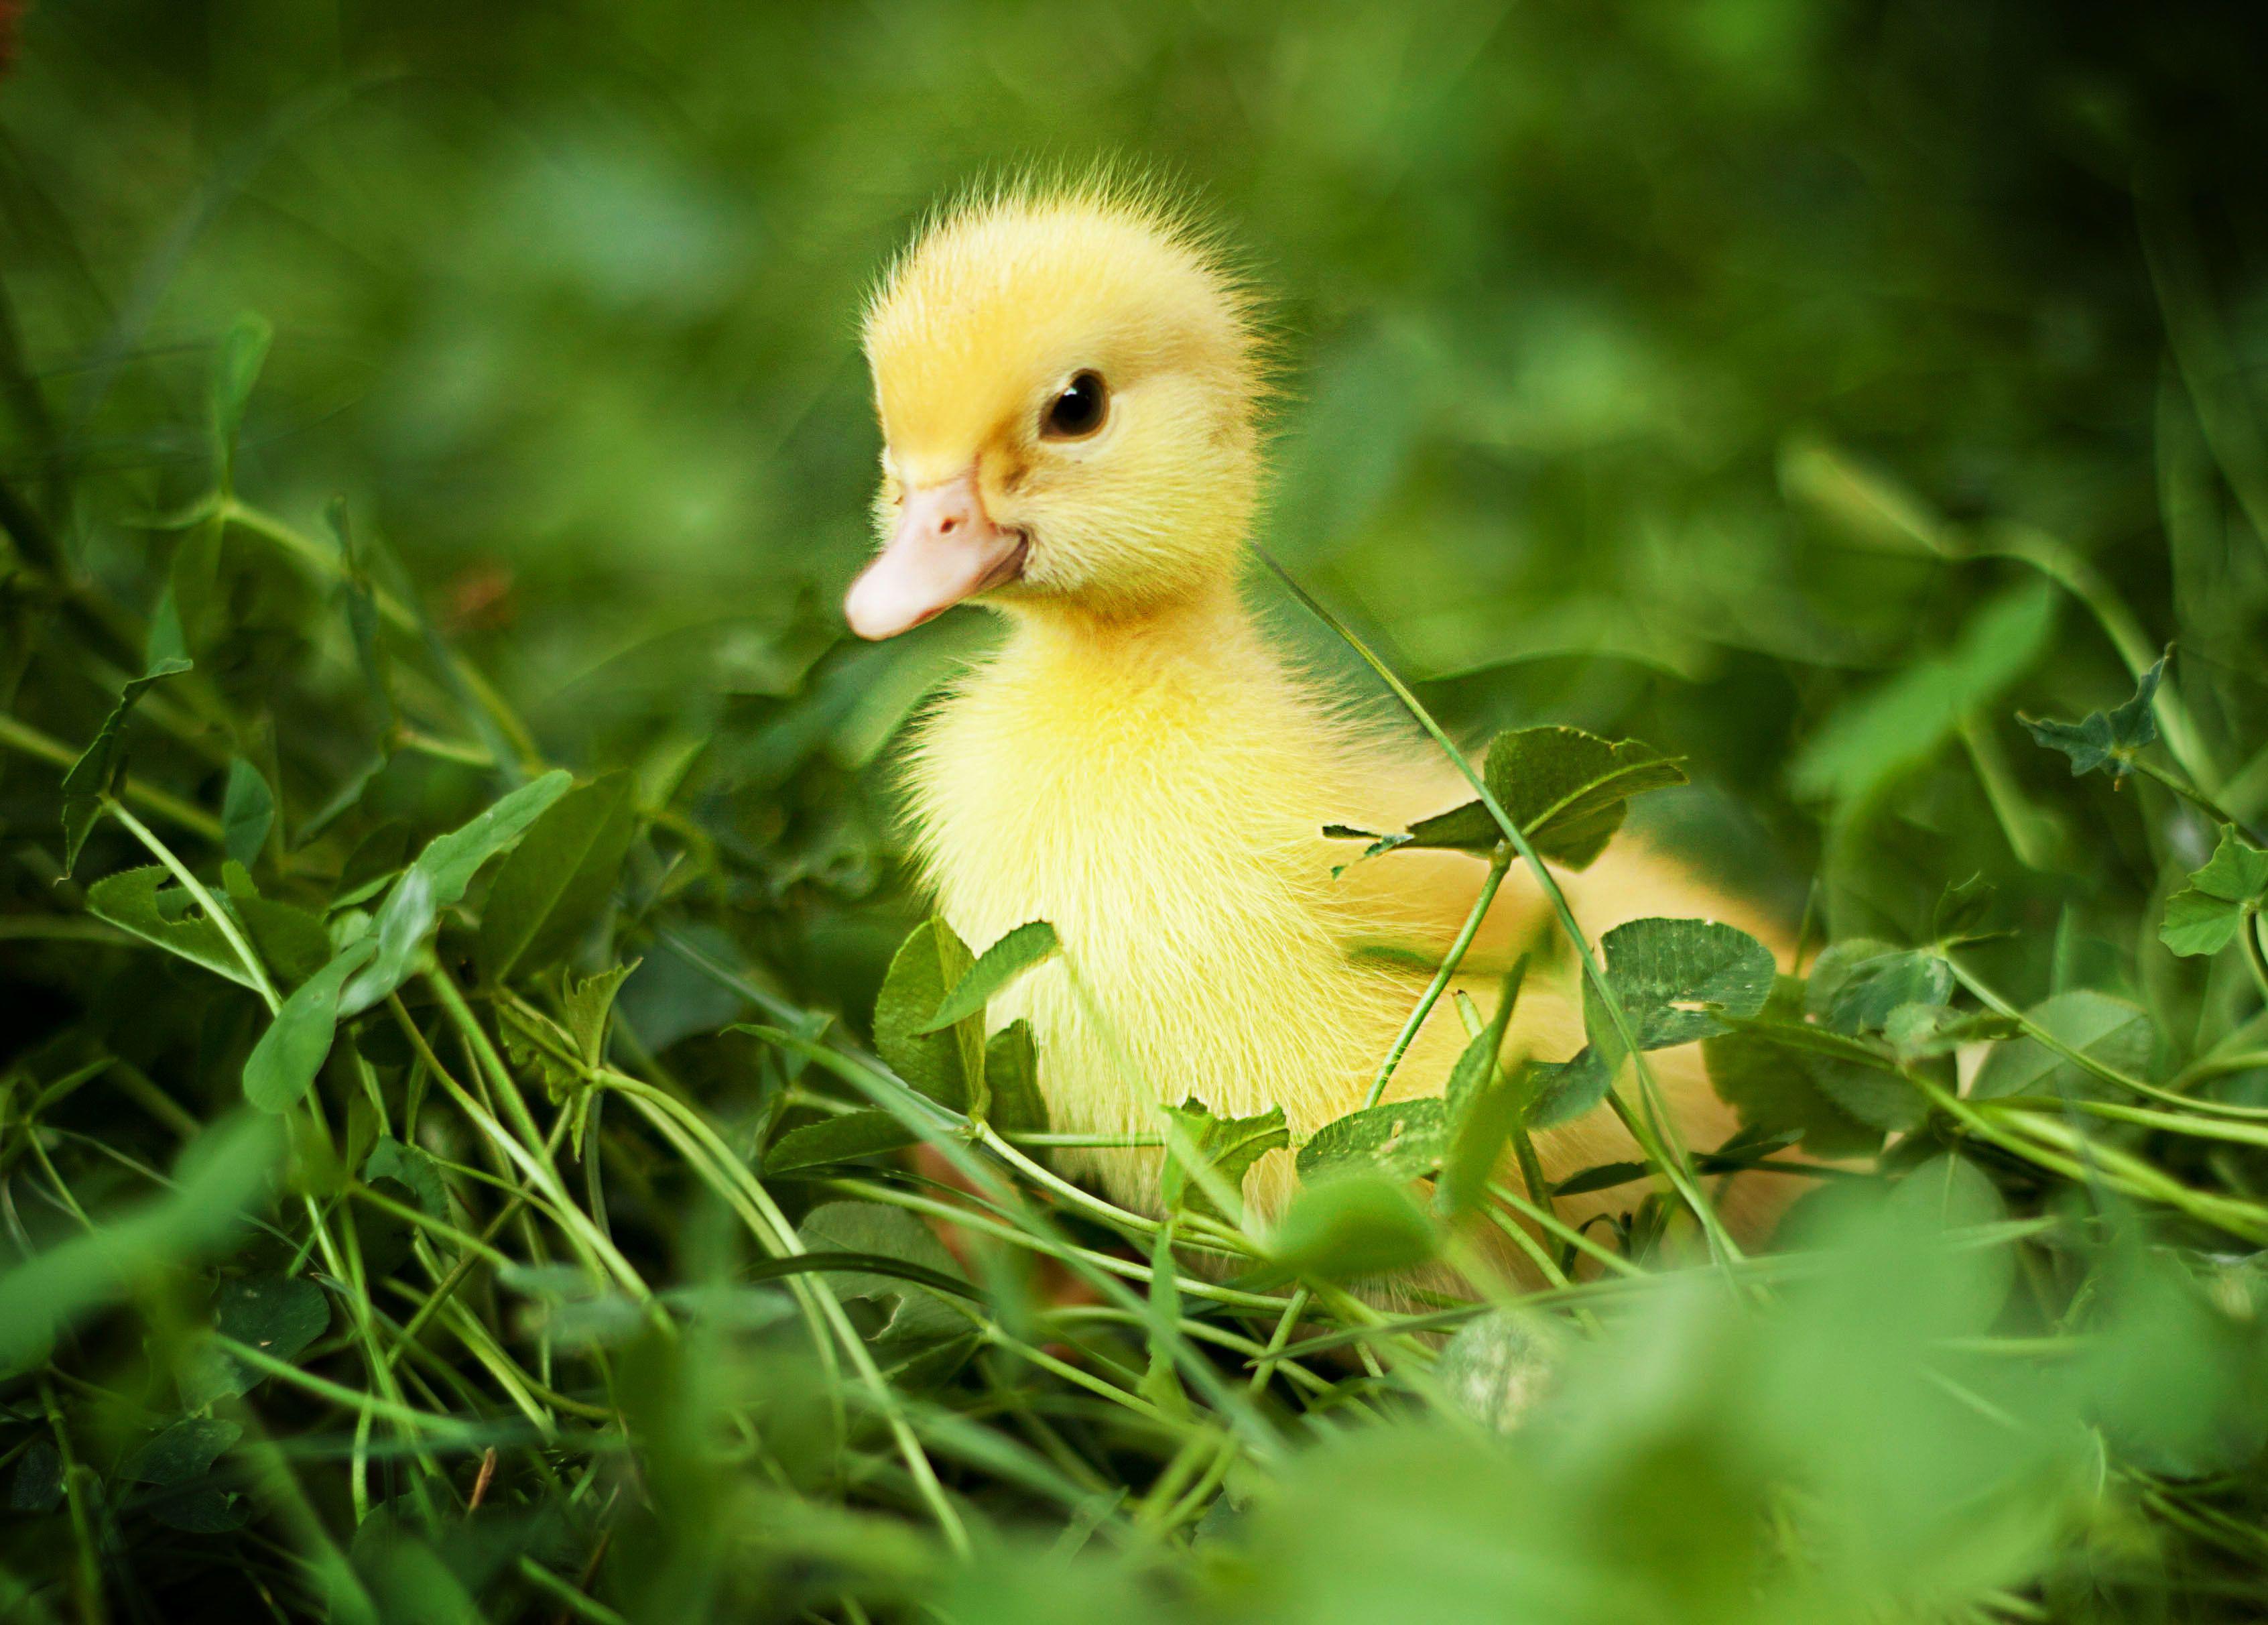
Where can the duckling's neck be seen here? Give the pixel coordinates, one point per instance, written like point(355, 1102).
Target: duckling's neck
point(1141, 779)
point(1189, 640)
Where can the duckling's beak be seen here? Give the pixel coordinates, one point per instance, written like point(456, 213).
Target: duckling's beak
point(946, 549)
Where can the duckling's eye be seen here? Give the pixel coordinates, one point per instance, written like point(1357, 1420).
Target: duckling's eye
point(1078, 412)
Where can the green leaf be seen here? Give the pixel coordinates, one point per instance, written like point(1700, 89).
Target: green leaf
point(1476, 1063)
point(1498, 1367)
point(362, 610)
point(283, 1064)
point(102, 763)
point(1889, 730)
point(948, 1067)
point(2106, 739)
point(1481, 1104)
point(183, 1451)
point(1781, 1074)
point(140, 901)
point(38, 1483)
point(1359, 1225)
point(377, 858)
point(412, 1167)
point(917, 1314)
point(1961, 913)
point(1204, 1148)
point(437, 879)
point(279, 1315)
point(1403, 1138)
point(2205, 915)
point(2113, 1031)
point(559, 879)
point(535, 1043)
point(999, 964)
point(247, 807)
point(1605, 1176)
point(838, 1140)
point(1566, 790)
point(1566, 1089)
point(1012, 1077)
point(168, 639)
point(1676, 980)
point(1855, 985)
point(198, 1508)
point(1867, 505)
point(291, 942)
point(590, 1001)
point(236, 368)
point(222, 1175)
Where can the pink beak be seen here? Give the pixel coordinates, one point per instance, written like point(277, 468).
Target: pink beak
point(946, 549)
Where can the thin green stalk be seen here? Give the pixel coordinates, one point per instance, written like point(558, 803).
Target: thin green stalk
point(539, 1169)
point(2091, 1065)
point(87, 1579)
point(569, 1596)
point(19, 736)
point(779, 1238)
point(1499, 864)
point(220, 917)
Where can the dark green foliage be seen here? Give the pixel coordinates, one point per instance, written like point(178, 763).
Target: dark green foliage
point(1807, 392)
point(2107, 739)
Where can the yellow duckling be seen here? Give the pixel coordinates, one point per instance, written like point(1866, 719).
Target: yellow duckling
point(1069, 387)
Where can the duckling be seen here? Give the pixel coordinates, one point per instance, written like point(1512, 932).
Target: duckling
point(1070, 385)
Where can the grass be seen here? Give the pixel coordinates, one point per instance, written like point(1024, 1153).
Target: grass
point(470, 1144)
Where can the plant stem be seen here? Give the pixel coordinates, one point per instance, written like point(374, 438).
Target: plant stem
point(1499, 864)
point(19, 736)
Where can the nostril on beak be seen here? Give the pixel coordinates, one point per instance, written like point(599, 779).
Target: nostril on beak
point(948, 524)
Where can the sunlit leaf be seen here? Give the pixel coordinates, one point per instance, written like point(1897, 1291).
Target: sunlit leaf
point(1205, 1149)
point(948, 1067)
point(2113, 1031)
point(2204, 916)
point(996, 967)
point(1403, 1138)
point(1677, 980)
point(1566, 790)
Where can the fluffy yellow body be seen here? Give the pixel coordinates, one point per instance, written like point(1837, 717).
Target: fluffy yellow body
point(1158, 793)
point(1136, 766)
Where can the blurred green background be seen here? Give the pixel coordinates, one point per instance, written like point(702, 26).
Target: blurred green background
point(1804, 389)
point(566, 300)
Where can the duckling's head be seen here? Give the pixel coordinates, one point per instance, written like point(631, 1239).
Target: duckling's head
point(1068, 384)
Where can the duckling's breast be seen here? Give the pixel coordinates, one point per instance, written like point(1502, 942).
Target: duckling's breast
point(1163, 808)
